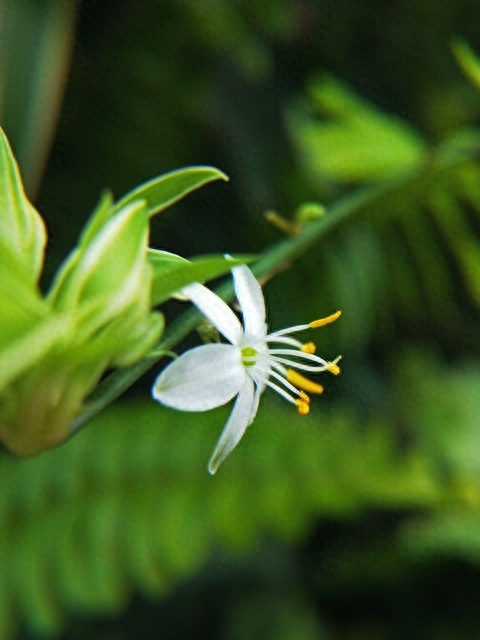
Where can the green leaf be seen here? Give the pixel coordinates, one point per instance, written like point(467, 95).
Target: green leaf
point(164, 260)
point(99, 217)
point(21, 308)
point(413, 256)
point(24, 351)
point(171, 273)
point(23, 336)
point(467, 60)
point(453, 532)
point(349, 139)
point(37, 40)
point(112, 265)
point(167, 189)
point(126, 338)
point(451, 414)
point(21, 226)
point(142, 338)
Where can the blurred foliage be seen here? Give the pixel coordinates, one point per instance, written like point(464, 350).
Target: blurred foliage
point(421, 227)
point(362, 520)
point(127, 504)
point(36, 42)
point(468, 61)
point(350, 141)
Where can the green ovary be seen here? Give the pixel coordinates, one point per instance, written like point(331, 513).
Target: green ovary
point(248, 355)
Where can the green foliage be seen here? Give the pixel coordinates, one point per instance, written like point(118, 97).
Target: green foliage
point(426, 244)
point(237, 28)
point(22, 230)
point(444, 426)
point(127, 504)
point(172, 272)
point(443, 420)
point(273, 616)
point(160, 193)
point(343, 138)
point(410, 258)
point(98, 314)
point(37, 39)
point(468, 61)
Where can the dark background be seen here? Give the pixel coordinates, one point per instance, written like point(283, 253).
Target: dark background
point(361, 521)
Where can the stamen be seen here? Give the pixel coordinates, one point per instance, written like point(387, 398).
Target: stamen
point(335, 369)
point(302, 355)
point(303, 383)
point(288, 330)
point(303, 396)
point(302, 367)
point(302, 407)
point(280, 391)
point(282, 377)
point(308, 347)
point(284, 340)
point(323, 321)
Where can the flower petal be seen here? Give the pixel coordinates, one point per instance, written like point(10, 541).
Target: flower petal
point(201, 379)
point(216, 310)
point(250, 298)
point(239, 420)
point(259, 389)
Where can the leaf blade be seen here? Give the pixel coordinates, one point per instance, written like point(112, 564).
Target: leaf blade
point(165, 190)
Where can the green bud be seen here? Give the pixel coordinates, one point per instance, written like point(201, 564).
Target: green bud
point(98, 313)
point(22, 231)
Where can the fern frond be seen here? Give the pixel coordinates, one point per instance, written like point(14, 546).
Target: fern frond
point(340, 137)
point(128, 504)
point(410, 262)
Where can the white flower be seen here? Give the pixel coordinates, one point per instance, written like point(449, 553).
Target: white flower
point(210, 375)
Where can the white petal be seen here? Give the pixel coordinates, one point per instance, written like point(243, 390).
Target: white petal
point(250, 297)
point(201, 379)
point(256, 401)
point(239, 420)
point(216, 310)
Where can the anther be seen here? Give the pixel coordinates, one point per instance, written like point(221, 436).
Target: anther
point(302, 407)
point(308, 347)
point(303, 383)
point(323, 321)
point(303, 396)
point(335, 369)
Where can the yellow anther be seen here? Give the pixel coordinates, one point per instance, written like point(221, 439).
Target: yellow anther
point(335, 369)
point(303, 383)
point(302, 407)
point(323, 321)
point(308, 347)
point(303, 396)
